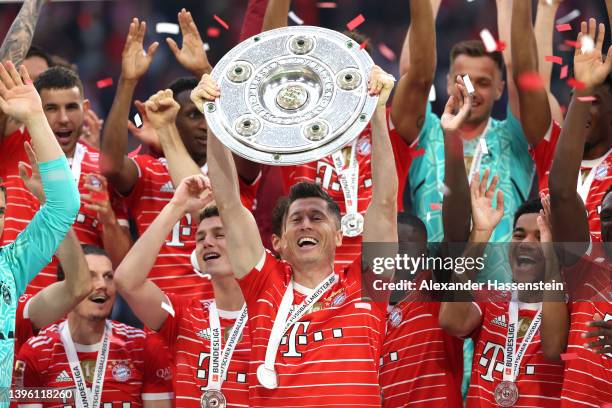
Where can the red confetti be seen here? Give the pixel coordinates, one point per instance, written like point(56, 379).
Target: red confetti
point(576, 84)
point(386, 51)
point(574, 44)
point(220, 21)
point(363, 45)
point(563, 27)
point(554, 59)
point(213, 32)
point(569, 356)
point(564, 72)
point(356, 22)
point(104, 83)
point(327, 4)
point(530, 81)
point(587, 98)
point(135, 152)
point(416, 153)
point(435, 206)
point(501, 46)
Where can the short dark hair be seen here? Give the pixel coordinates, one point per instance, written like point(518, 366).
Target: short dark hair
point(36, 51)
point(87, 250)
point(58, 78)
point(608, 82)
point(183, 84)
point(208, 212)
point(278, 215)
point(306, 189)
point(359, 38)
point(608, 191)
point(528, 207)
point(412, 220)
point(476, 48)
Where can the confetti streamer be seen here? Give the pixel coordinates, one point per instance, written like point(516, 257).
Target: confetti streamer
point(569, 17)
point(564, 72)
point(530, 81)
point(104, 83)
point(432, 93)
point(135, 152)
point(443, 188)
point(295, 18)
point(468, 84)
point(576, 84)
point(363, 45)
point(167, 28)
point(386, 51)
point(587, 98)
point(356, 22)
point(435, 206)
point(220, 21)
point(213, 32)
point(563, 27)
point(587, 44)
point(137, 120)
point(327, 4)
point(206, 47)
point(168, 308)
point(574, 44)
point(569, 356)
point(554, 59)
point(501, 46)
point(488, 40)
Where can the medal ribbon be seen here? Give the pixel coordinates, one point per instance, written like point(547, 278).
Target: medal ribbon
point(86, 398)
point(77, 159)
point(512, 360)
point(219, 361)
point(584, 187)
point(348, 177)
point(283, 318)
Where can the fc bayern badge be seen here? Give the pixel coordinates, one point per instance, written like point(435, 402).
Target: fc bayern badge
point(338, 300)
point(121, 372)
point(601, 172)
point(506, 394)
point(395, 317)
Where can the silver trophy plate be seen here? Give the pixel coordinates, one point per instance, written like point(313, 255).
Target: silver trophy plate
point(291, 95)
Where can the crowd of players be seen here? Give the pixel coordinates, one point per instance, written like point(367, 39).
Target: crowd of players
point(230, 321)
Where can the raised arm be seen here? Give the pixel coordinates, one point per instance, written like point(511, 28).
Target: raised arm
point(534, 106)
point(19, 37)
point(410, 100)
point(456, 215)
point(242, 235)
point(276, 14)
point(504, 17)
point(609, 10)
point(380, 220)
point(589, 69)
point(116, 166)
point(144, 297)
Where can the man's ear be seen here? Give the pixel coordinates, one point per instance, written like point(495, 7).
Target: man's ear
point(500, 90)
point(86, 105)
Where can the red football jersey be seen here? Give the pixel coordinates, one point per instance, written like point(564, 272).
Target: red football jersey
point(172, 271)
point(22, 205)
point(23, 325)
point(188, 337)
point(330, 357)
point(324, 173)
point(138, 366)
point(588, 375)
point(543, 154)
point(539, 380)
point(421, 365)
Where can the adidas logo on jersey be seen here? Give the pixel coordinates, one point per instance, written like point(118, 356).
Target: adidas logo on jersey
point(204, 333)
point(167, 188)
point(63, 377)
point(500, 321)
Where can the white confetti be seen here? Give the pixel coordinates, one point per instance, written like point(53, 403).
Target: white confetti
point(168, 28)
point(488, 40)
point(587, 44)
point(168, 308)
point(468, 84)
point(483, 145)
point(137, 120)
point(295, 18)
point(443, 188)
point(206, 47)
point(432, 93)
point(574, 14)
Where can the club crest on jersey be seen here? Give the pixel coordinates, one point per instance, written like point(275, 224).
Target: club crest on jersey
point(395, 317)
point(339, 299)
point(601, 172)
point(121, 371)
point(364, 146)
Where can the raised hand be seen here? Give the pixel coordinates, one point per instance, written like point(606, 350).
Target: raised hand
point(134, 60)
point(457, 108)
point(32, 181)
point(544, 219)
point(484, 216)
point(145, 133)
point(207, 90)
point(589, 67)
point(92, 127)
point(193, 194)
point(380, 83)
point(161, 109)
point(18, 98)
point(602, 331)
point(192, 56)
